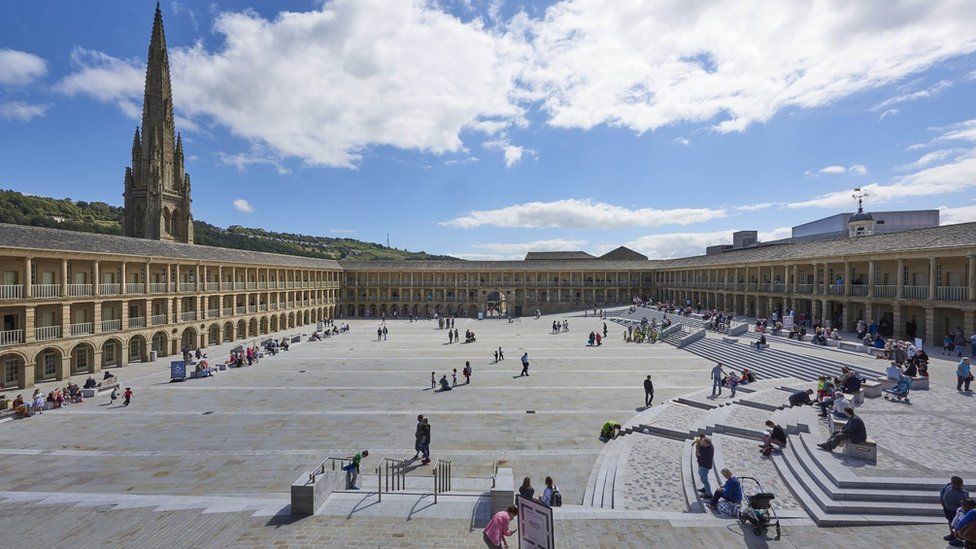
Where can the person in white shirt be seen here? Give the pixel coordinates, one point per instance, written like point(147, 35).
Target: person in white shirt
point(837, 404)
point(893, 372)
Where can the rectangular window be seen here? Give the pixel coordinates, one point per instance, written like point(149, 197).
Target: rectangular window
point(108, 353)
point(10, 374)
point(50, 365)
point(47, 277)
point(10, 278)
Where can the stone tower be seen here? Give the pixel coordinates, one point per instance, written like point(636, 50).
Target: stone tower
point(157, 191)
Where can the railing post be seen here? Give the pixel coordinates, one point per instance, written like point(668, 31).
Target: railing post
point(434, 472)
point(379, 490)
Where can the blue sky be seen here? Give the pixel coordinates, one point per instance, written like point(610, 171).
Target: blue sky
point(483, 129)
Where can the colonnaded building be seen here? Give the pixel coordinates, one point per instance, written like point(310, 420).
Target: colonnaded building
point(73, 303)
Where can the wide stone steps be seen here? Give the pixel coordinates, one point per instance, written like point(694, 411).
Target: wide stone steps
point(861, 500)
point(769, 363)
point(603, 476)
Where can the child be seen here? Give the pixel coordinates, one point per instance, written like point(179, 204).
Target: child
point(496, 356)
point(433, 380)
point(454, 378)
point(114, 396)
point(821, 387)
point(127, 395)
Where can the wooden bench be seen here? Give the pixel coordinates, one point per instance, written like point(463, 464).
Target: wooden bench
point(867, 450)
point(98, 391)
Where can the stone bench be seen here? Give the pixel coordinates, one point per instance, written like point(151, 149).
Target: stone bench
point(100, 390)
point(833, 342)
point(880, 353)
point(851, 346)
point(919, 383)
point(728, 339)
point(867, 450)
point(856, 399)
point(871, 389)
point(834, 423)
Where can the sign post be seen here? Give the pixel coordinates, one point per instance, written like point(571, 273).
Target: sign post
point(536, 530)
point(177, 370)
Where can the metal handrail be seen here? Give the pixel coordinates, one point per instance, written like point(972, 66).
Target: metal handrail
point(320, 470)
point(394, 471)
point(494, 473)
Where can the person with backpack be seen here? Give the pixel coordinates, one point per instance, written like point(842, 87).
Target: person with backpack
point(551, 496)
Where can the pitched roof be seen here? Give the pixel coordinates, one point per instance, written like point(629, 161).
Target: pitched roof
point(560, 266)
point(551, 256)
point(918, 240)
point(58, 240)
point(623, 253)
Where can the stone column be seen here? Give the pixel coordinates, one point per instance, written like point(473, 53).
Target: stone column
point(29, 311)
point(816, 281)
point(176, 279)
point(971, 275)
point(97, 318)
point(28, 290)
point(900, 280)
point(96, 272)
point(65, 320)
point(868, 313)
point(968, 323)
point(122, 285)
point(146, 281)
point(871, 277)
point(843, 318)
point(824, 311)
point(847, 279)
point(64, 277)
point(933, 278)
point(796, 279)
point(897, 322)
point(931, 338)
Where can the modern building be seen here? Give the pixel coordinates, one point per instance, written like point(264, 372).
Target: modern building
point(885, 222)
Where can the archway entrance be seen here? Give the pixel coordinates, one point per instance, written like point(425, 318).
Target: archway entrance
point(495, 305)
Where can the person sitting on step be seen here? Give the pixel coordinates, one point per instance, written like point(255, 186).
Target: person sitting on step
point(776, 437)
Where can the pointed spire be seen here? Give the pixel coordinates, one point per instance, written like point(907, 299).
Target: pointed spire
point(136, 142)
point(157, 108)
point(179, 146)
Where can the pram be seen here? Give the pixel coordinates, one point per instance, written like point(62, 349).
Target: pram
point(900, 391)
point(757, 511)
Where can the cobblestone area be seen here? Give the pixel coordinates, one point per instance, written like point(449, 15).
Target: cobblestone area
point(678, 417)
point(747, 417)
point(654, 475)
point(771, 396)
point(742, 457)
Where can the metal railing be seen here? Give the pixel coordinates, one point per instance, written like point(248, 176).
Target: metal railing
point(952, 293)
point(188, 316)
point(226, 285)
point(79, 290)
point(158, 287)
point(137, 322)
point(112, 325)
point(11, 291)
point(859, 289)
point(188, 286)
point(158, 320)
point(213, 313)
point(227, 311)
point(394, 474)
point(885, 290)
point(212, 286)
point(109, 289)
point(836, 289)
point(320, 470)
point(916, 292)
point(135, 287)
point(43, 333)
point(45, 290)
point(11, 337)
point(81, 328)
point(442, 477)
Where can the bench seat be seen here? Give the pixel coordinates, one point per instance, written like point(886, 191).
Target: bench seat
point(728, 339)
point(871, 389)
point(867, 450)
point(851, 346)
point(98, 391)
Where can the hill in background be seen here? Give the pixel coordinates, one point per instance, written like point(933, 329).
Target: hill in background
point(99, 217)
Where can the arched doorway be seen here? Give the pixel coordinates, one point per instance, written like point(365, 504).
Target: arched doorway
point(189, 340)
point(495, 304)
point(213, 335)
point(137, 349)
point(47, 364)
point(291, 320)
point(111, 353)
point(274, 323)
point(228, 331)
point(82, 359)
point(350, 310)
point(264, 325)
point(160, 344)
point(252, 328)
point(241, 329)
point(12, 366)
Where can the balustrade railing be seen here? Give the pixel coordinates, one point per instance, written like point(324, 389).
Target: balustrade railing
point(188, 316)
point(135, 287)
point(81, 328)
point(137, 322)
point(885, 290)
point(79, 290)
point(859, 289)
point(952, 293)
point(158, 320)
point(11, 337)
point(916, 292)
point(158, 287)
point(112, 325)
point(11, 291)
point(109, 289)
point(45, 290)
point(44, 333)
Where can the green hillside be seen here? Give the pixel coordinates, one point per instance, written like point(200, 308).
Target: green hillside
point(99, 217)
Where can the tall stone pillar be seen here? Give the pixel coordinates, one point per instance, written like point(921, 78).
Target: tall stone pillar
point(847, 280)
point(123, 282)
point(64, 277)
point(824, 312)
point(900, 278)
point(844, 319)
point(897, 322)
point(971, 275)
point(28, 289)
point(96, 275)
point(871, 277)
point(933, 278)
point(931, 338)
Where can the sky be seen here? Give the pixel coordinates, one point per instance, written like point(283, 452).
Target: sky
point(486, 129)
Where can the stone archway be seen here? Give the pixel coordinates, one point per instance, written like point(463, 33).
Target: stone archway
point(189, 339)
point(241, 329)
point(82, 359)
point(213, 335)
point(111, 353)
point(264, 325)
point(47, 364)
point(160, 344)
point(12, 370)
point(138, 349)
point(473, 311)
point(252, 328)
point(228, 331)
point(274, 323)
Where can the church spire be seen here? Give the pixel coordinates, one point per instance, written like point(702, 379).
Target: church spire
point(157, 107)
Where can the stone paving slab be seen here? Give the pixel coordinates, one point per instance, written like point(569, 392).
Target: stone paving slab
point(653, 475)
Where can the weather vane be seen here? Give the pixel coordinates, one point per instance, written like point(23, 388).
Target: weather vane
point(860, 195)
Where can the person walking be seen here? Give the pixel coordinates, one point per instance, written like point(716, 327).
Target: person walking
point(456, 335)
point(501, 355)
point(964, 374)
point(717, 374)
point(450, 336)
point(425, 440)
point(418, 436)
point(648, 391)
point(525, 364)
point(496, 357)
point(433, 380)
point(384, 333)
point(127, 396)
point(454, 378)
point(497, 529)
point(466, 372)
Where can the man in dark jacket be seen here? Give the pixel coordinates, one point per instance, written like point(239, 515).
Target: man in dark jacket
point(648, 391)
point(951, 497)
point(801, 398)
point(854, 432)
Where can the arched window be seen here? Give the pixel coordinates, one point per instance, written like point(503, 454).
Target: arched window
point(167, 224)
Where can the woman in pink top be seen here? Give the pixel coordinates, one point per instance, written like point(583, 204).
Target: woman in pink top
point(497, 529)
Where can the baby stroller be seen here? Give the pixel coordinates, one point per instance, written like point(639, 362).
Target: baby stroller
point(900, 391)
point(757, 511)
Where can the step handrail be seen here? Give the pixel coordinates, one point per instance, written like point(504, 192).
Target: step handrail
point(320, 470)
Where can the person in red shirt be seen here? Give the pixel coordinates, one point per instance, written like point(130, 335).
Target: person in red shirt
point(127, 395)
point(497, 529)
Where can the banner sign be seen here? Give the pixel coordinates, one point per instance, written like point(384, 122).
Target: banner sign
point(177, 370)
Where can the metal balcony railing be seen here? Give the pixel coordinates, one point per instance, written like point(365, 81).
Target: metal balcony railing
point(158, 320)
point(112, 325)
point(79, 290)
point(916, 292)
point(137, 322)
point(952, 293)
point(885, 290)
point(44, 333)
point(158, 287)
point(188, 286)
point(135, 287)
point(213, 313)
point(859, 289)
point(188, 316)
point(11, 291)
point(81, 328)
point(227, 311)
point(109, 289)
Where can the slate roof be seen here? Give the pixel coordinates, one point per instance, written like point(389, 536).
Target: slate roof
point(623, 253)
point(514, 265)
point(931, 239)
point(557, 256)
point(45, 239)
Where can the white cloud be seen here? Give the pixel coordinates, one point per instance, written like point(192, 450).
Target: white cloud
point(243, 205)
point(107, 79)
point(931, 91)
point(682, 141)
point(576, 213)
point(930, 158)
point(669, 245)
point(22, 112)
point(733, 63)
point(243, 160)
point(517, 250)
point(20, 67)
point(887, 113)
point(962, 214)
point(853, 169)
point(513, 153)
